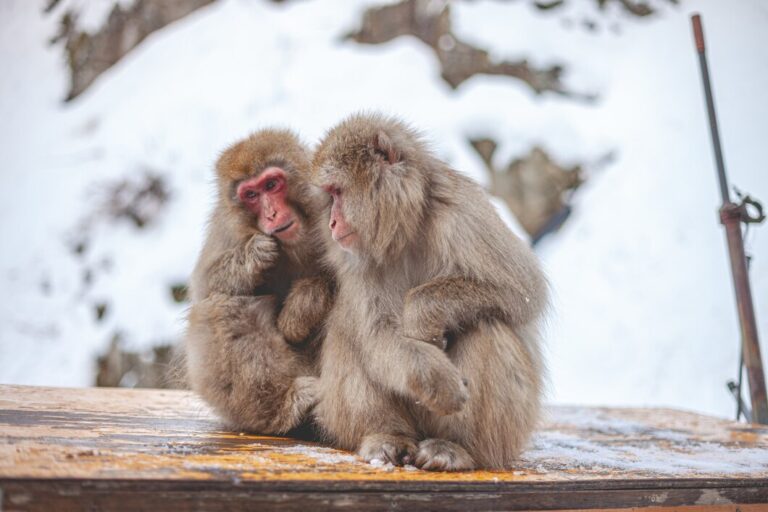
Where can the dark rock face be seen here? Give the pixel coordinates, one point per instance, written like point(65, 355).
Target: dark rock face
point(155, 368)
point(430, 22)
point(90, 54)
point(535, 187)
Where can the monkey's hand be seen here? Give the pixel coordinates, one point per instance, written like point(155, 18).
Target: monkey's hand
point(240, 269)
point(261, 252)
point(435, 382)
point(305, 308)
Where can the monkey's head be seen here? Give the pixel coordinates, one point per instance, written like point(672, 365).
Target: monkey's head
point(373, 169)
point(261, 182)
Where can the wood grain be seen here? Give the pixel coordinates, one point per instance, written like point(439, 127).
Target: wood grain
point(119, 449)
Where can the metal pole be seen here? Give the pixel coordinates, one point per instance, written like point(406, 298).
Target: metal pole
point(731, 216)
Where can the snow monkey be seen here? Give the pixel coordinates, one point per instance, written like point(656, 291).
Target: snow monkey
point(258, 296)
point(432, 354)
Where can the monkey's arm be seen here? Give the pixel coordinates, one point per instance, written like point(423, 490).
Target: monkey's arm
point(305, 308)
point(448, 303)
point(240, 269)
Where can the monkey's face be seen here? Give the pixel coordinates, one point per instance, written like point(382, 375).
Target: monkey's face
point(377, 194)
point(352, 217)
point(265, 195)
point(341, 230)
point(259, 180)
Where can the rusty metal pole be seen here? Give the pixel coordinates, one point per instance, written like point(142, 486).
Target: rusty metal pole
point(731, 216)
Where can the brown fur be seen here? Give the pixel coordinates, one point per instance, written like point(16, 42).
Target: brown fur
point(434, 261)
point(251, 293)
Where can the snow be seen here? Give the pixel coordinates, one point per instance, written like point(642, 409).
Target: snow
point(569, 451)
point(577, 442)
point(599, 442)
point(644, 311)
point(320, 454)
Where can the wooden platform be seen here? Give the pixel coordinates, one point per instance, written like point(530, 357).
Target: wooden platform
point(117, 449)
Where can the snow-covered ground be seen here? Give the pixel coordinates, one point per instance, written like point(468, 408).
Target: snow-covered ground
point(644, 312)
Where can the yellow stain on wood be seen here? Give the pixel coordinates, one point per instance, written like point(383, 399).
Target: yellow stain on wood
point(163, 434)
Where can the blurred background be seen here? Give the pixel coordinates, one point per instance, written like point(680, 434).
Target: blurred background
point(584, 118)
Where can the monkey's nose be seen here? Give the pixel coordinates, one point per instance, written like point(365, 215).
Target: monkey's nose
point(333, 224)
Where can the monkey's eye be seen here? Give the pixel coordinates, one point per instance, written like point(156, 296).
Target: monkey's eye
point(270, 185)
point(332, 190)
point(249, 194)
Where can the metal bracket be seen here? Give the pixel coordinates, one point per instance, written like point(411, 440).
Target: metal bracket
point(746, 213)
point(743, 409)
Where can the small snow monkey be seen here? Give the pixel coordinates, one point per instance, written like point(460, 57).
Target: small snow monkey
point(258, 295)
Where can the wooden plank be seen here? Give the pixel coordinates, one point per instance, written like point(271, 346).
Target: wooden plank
point(63, 449)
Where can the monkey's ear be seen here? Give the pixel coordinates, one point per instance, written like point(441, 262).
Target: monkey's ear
point(383, 146)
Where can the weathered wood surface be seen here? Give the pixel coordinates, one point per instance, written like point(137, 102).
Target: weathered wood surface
point(119, 449)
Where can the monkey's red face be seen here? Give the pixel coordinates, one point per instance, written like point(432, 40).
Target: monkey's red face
point(341, 231)
point(266, 196)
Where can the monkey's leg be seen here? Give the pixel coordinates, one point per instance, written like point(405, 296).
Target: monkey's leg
point(375, 426)
point(505, 375)
point(240, 364)
point(358, 415)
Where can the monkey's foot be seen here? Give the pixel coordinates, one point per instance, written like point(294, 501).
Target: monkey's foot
point(399, 450)
point(442, 455)
point(304, 397)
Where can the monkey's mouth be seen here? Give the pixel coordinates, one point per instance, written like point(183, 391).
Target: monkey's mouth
point(342, 237)
point(283, 228)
